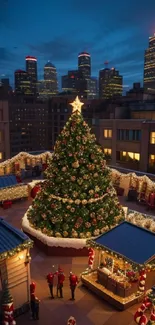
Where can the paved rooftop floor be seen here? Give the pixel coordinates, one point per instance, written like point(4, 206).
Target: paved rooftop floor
point(87, 308)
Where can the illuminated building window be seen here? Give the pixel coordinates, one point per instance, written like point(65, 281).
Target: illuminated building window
point(152, 137)
point(152, 160)
point(107, 153)
point(107, 133)
point(128, 156)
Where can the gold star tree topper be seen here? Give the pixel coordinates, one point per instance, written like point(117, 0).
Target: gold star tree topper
point(77, 104)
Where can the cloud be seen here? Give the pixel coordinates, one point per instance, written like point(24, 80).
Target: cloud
point(60, 48)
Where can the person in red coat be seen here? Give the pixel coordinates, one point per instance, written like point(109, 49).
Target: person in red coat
point(61, 279)
point(73, 283)
point(50, 281)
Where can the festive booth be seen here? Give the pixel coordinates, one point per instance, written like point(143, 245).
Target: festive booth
point(121, 264)
point(14, 265)
point(11, 189)
point(24, 162)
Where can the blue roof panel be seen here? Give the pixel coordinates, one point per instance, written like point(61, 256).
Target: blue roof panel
point(10, 237)
point(135, 243)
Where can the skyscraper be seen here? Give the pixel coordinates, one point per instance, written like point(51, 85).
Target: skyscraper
point(84, 64)
point(70, 82)
point(22, 83)
point(50, 76)
point(110, 83)
point(149, 65)
point(31, 69)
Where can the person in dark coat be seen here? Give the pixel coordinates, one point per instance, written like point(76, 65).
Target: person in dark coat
point(35, 314)
point(73, 279)
point(61, 279)
point(50, 281)
point(32, 304)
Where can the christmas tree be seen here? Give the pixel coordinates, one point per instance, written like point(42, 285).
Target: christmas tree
point(77, 199)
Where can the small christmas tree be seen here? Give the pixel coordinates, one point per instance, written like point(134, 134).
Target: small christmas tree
point(77, 200)
point(6, 297)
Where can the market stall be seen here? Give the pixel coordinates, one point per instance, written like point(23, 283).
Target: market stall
point(122, 266)
point(14, 265)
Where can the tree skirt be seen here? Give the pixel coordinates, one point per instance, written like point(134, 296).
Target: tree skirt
point(52, 241)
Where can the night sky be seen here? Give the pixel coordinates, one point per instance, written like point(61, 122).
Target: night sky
point(116, 31)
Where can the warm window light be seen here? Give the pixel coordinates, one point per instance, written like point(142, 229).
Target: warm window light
point(152, 137)
point(107, 151)
point(131, 155)
point(107, 133)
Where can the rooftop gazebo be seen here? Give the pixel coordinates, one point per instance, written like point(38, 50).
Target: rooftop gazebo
point(123, 268)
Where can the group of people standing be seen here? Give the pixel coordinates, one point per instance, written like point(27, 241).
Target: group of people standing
point(60, 278)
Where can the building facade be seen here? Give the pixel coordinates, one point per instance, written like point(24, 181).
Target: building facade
point(149, 65)
point(31, 69)
point(129, 144)
point(28, 124)
point(4, 131)
point(22, 83)
point(110, 83)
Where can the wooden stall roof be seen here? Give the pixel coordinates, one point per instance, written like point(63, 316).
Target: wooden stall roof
point(130, 241)
point(12, 238)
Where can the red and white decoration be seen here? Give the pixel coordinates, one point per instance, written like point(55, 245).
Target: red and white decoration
point(71, 321)
point(142, 280)
point(8, 318)
point(140, 317)
point(91, 255)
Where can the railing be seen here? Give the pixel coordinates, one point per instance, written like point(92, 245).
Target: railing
point(138, 173)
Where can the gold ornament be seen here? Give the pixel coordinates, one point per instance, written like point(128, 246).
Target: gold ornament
point(88, 234)
point(84, 202)
point(57, 234)
point(77, 202)
point(77, 105)
point(65, 233)
point(75, 164)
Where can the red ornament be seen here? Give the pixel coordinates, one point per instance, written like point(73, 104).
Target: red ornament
point(34, 191)
point(96, 195)
point(94, 221)
point(53, 206)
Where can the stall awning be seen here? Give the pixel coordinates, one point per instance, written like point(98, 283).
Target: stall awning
point(11, 239)
point(134, 243)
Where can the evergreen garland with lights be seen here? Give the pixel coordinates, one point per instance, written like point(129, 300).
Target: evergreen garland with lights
point(77, 200)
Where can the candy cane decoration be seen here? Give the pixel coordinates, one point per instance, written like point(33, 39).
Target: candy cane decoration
point(139, 316)
point(152, 317)
point(142, 281)
point(91, 255)
point(71, 321)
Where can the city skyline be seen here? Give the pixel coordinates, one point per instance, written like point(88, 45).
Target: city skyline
point(109, 33)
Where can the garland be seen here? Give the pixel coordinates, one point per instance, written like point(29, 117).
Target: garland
point(27, 244)
point(77, 201)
